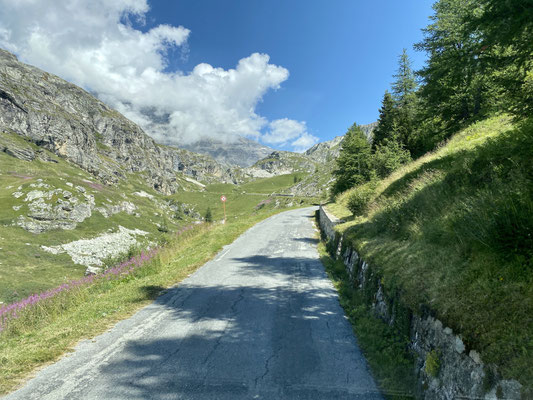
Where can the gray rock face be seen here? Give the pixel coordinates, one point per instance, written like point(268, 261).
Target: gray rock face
point(23, 154)
point(54, 209)
point(243, 152)
point(284, 162)
point(325, 151)
point(92, 252)
point(328, 151)
point(71, 123)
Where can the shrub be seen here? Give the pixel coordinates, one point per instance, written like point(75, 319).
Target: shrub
point(163, 227)
point(208, 216)
point(359, 198)
point(432, 363)
point(388, 157)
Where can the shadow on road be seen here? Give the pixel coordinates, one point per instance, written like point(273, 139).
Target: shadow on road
point(274, 330)
point(313, 241)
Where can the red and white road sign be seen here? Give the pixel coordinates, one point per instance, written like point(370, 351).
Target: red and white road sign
point(222, 198)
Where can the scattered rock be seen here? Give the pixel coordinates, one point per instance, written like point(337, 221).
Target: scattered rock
point(108, 210)
point(142, 193)
point(92, 252)
point(25, 154)
point(65, 213)
point(34, 194)
point(93, 271)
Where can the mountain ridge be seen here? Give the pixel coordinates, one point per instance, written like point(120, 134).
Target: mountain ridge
point(67, 120)
point(242, 152)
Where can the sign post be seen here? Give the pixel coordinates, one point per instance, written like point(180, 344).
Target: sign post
point(223, 200)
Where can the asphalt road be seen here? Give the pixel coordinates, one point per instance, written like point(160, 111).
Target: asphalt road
point(259, 321)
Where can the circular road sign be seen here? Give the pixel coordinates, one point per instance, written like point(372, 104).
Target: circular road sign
point(222, 198)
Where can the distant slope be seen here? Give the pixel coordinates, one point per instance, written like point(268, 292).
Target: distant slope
point(57, 219)
point(243, 152)
point(315, 165)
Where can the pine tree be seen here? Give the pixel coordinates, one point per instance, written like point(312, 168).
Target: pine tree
point(505, 30)
point(404, 85)
point(208, 215)
point(354, 164)
point(389, 156)
point(456, 86)
point(386, 123)
point(404, 95)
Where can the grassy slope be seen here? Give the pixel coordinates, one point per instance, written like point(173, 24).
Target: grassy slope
point(454, 231)
point(25, 268)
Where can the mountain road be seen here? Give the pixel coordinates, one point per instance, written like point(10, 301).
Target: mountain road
point(259, 321)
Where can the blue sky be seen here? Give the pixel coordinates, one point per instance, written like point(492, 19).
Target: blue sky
point(341, 54)
point(287, 73)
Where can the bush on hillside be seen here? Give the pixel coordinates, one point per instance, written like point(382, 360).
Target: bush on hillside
point(360, 197)
point(388, 157)
point(208, 215)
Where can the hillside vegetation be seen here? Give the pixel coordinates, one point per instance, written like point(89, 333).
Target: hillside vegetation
point(453, 232)
point(50, 202)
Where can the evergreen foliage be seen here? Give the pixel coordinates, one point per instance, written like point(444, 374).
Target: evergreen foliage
point(208, 215)
point(354, 164)
point(388, 157)
point(480, 62)
point(386, 127)
point(455, 86)
point(404, 93)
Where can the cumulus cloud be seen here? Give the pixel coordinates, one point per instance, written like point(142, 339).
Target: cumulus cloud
point(288, 132)
point(94, 44)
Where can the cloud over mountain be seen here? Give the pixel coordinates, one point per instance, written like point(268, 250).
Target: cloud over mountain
point(286, 131)
point(94, 44)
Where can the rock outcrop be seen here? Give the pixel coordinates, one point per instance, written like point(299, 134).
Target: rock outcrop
point(242, 152)
point(68, 121)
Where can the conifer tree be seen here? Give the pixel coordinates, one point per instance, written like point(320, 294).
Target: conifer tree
point(456, 84)
point(404, 86)
point(208, 215)
point(354, 164)
point(404, 95)
point(386, 122)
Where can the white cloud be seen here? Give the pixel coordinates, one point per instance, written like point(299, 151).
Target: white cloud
point(305, 141)
point(93, 44)
point(284, 132)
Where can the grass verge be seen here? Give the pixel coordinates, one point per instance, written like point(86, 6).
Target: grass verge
point(29, 343)
point(384, 348)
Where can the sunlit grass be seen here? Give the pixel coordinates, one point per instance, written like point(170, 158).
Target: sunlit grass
point(454, 231)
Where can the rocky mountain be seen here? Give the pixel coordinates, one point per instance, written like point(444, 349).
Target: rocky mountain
point(327, 151)
point(316, 165)
point(242, 152)
point(71, 123)
point(283, 162)
point(368, 129)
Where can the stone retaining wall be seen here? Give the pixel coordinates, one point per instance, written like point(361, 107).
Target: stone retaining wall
point(445, 369)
